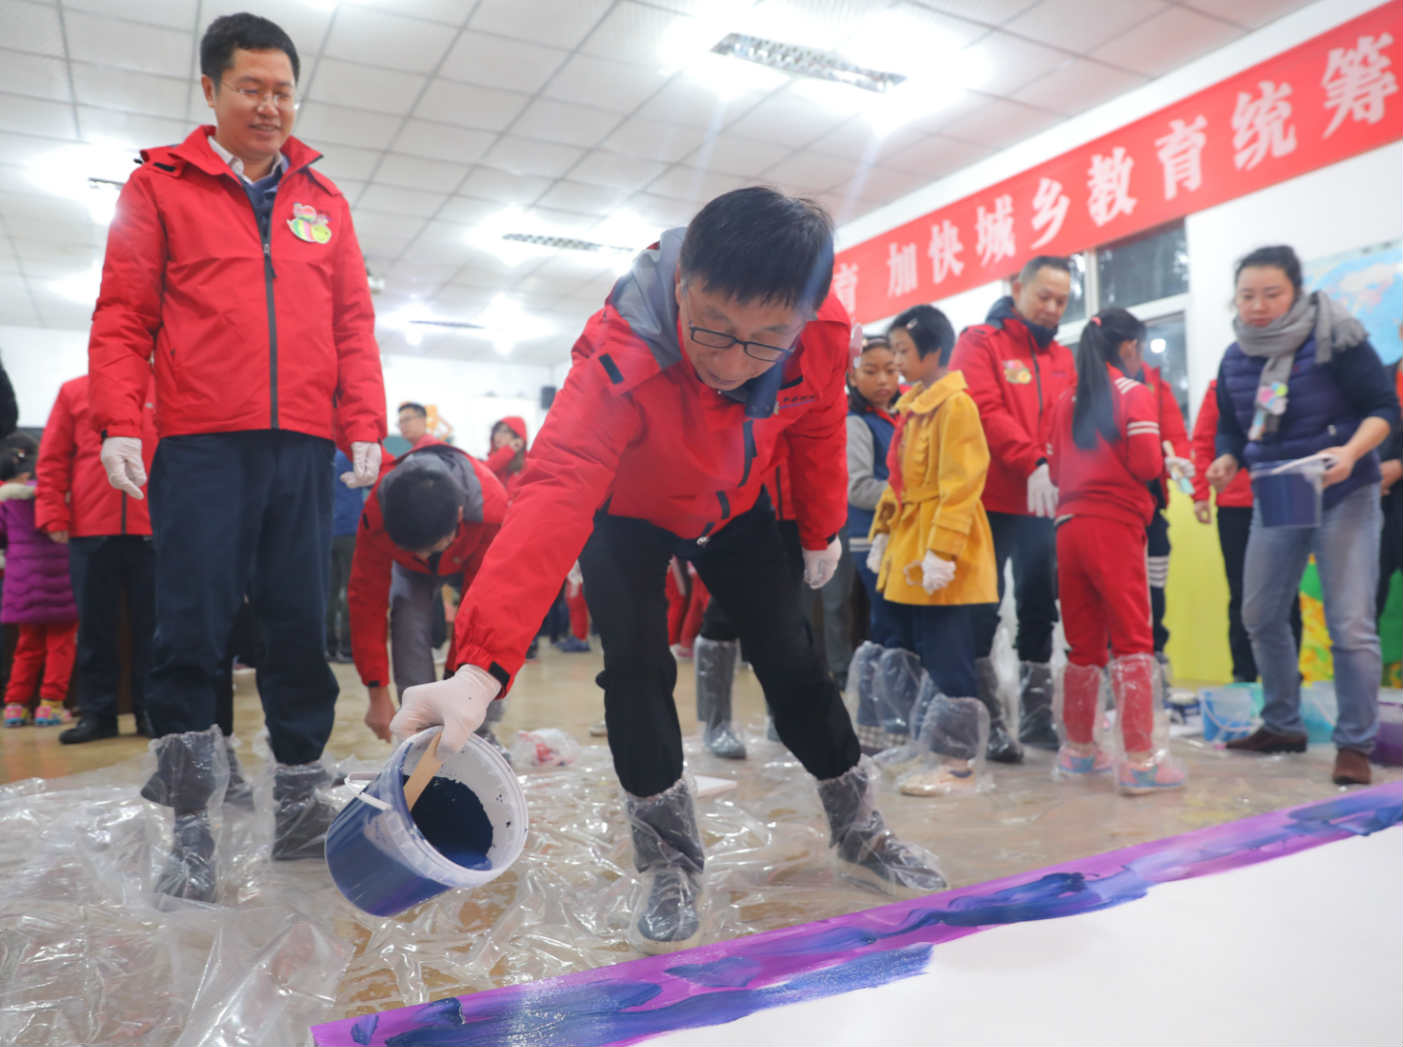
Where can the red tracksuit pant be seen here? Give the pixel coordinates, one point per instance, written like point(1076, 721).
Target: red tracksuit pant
point(685, 608)
point(579, 612)
point(1104, 589)
point(44, 657)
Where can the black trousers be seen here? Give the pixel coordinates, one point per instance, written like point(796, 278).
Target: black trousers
point(237, 513)
point(747, 568)
point(107, 571)
point(1234, 524)
point(1031, 542)
point(716, 624)
point(338, 614)
point(1157, 549)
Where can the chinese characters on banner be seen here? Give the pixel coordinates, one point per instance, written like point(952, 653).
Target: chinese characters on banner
point(1326, 100)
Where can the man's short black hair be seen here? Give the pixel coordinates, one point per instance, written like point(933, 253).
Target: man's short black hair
point(1043, 261)
point(758, 245)
point(419, 503)
point(246, 32)
point(417, 408)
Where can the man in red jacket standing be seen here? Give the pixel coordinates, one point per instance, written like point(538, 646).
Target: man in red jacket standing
point(108, 534)
point(1016, 372)
point(718, 347)
point(233, 265)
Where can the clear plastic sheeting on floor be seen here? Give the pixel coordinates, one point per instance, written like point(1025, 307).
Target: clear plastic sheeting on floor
point(86, 956)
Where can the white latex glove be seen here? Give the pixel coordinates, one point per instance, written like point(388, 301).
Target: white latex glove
point(574, 580)
point(819, 566)
point(936, 572)
point(1179, 466)
point(1042, 494)
point(875, 554)
point(365, 466)
point(121, 457)
point(459, 703)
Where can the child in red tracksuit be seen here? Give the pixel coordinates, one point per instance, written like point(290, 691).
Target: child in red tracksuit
point(1105, 448)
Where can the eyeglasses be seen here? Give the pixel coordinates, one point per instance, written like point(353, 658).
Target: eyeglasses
point(284, 100)
point(755, 350)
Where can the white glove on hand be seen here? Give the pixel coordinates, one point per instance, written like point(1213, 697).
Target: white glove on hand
point(121, 457)
point(820, 566)
point(936, 572)
point(459, 703)
point(574, 581)
point(1179, 466)
point(1042, 494)
point(875, 554)
point(365, 466)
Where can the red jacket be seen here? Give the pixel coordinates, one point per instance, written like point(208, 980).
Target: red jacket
point(245, 335)
point(368, 592)
point(1238, 494)
point(73, 494)
point(778, 485)
point(1016, 384)
point(1110, 481)
point(635, 430)
point(500, 461)
point(1171, 422)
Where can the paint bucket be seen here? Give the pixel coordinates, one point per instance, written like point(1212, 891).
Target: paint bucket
point(1288, 494)
point(1388, 745)
point(1319, 710)
point(1228, 711)
point(466, 830)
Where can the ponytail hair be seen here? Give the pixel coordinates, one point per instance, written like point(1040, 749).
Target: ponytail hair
point(1101, 340)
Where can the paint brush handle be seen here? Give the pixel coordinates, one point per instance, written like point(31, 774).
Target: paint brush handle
point(428, 766)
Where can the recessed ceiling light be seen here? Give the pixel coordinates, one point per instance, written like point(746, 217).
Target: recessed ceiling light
point(794, 60)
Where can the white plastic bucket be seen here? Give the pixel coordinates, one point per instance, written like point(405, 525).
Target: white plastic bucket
point(1228, 711)
point(380, 857)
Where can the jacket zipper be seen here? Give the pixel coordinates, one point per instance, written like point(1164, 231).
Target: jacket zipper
point(268, 276)
point(1038, 377)
point(124, 513)
point(748, 435)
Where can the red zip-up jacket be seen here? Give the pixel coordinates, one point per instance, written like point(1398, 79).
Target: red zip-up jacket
point(1238, 494)
point(1171, 422)
point(368, 592)
point(1015, 383)
point(1111, 480)
point(245, 334)
point(635, 430)
point(73, 494)
point(500, 460)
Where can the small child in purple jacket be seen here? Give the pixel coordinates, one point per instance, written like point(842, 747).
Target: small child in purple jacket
point(37, 597)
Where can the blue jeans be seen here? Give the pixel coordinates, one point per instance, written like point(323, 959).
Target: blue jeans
point(1346, 548)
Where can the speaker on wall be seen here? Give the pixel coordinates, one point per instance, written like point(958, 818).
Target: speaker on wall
point(547, 397)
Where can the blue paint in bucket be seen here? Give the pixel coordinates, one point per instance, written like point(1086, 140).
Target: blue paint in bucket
point(467, 828)
point(1288, 494)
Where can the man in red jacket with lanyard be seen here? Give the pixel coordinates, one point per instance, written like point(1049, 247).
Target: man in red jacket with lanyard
point(721, 344)
point(1016, 372)
point(234, 266)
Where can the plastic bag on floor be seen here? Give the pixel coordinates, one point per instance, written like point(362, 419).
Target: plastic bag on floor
point(544, 747)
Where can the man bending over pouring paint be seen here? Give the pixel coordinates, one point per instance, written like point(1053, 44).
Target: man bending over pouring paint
point(429, 520)
point(720, 341)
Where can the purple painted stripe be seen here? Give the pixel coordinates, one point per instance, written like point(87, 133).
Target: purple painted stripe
point(717, 983)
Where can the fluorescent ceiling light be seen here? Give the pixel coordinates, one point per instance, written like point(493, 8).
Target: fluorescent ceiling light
point(794, 60)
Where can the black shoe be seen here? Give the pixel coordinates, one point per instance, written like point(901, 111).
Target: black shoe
point(301, 816)
point(1002, 748)
point(189, 869)
point(143, 724)
point(88, 729)
point(1265, 740)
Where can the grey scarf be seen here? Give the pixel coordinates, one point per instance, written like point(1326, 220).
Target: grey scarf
point(1313, 314)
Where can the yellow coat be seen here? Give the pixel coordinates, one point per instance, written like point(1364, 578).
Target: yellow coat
point(944, 459)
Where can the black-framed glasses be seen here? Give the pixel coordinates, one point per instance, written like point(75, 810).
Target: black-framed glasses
point(755, 350)
point(284, 100)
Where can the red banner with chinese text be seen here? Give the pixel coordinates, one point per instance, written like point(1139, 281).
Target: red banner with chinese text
point(1323, 101)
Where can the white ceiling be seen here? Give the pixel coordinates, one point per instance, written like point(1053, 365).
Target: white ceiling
point(435, 115)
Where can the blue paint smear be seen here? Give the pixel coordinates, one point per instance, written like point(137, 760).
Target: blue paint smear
point(364, 1028)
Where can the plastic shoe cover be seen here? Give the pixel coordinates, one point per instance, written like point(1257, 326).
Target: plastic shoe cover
point(1035, 726)
point(771, 732)
point(942, 780)
point(301, 815)
point(716, 671)
point(239, 793)
point(190, 772)
point(51, 714)
point(1147, 765)
point(896, 685)
point(667, 851)
point(1079, 718)
point(16, 715)
point(952, 736)
point(867, 849)
point(1074, 764)
point(861, 699)
point(599, 729)
point(188, 872)
point(1163, 772)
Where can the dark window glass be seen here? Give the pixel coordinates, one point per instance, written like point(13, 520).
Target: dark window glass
point(1166, 350)
point(1144, 268)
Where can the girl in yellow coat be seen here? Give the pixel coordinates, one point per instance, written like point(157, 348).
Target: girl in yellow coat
point(933, 552)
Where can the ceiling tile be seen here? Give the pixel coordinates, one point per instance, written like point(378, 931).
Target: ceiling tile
point(443, 141)
point(145, 48)
point(415, 172)
point(1249, 13)
point(1166, 41)
point(1077, 86)
point(112, 88)
point(131, 129)
point(613, 169)
point(492, 183)
point(349, 188)
point(497, 61)
point(697, 186)
point(470, 105)
point(560, 223)
point(31, 27)
point(555, 23)
point(21, 150)
point(1012, 62)
point(987, 12)
point(379, 38)
point(576, 196)
point(344, 161)
point(737, 155)
point(788, 118)
point(998, 123)
point(936, 156)
point(655, 139)
point(365, 87)
point(34, 76)
point(31, 116)
point(1064, 23)
point(685, 100)
point(632, 32)
point(562, 122)
point(451, 12)
point(381, 248)
point(610, 85)
point(855, 139)
point(526, 156)
point(394, 200)
point(442, 244)
point(664, 212)
point(885, 184)
point(306, 23)
point(320, 122)
point(370, 222)
point(456, 299)
point(467, 210)
point(811, 172)
point(173, 14)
